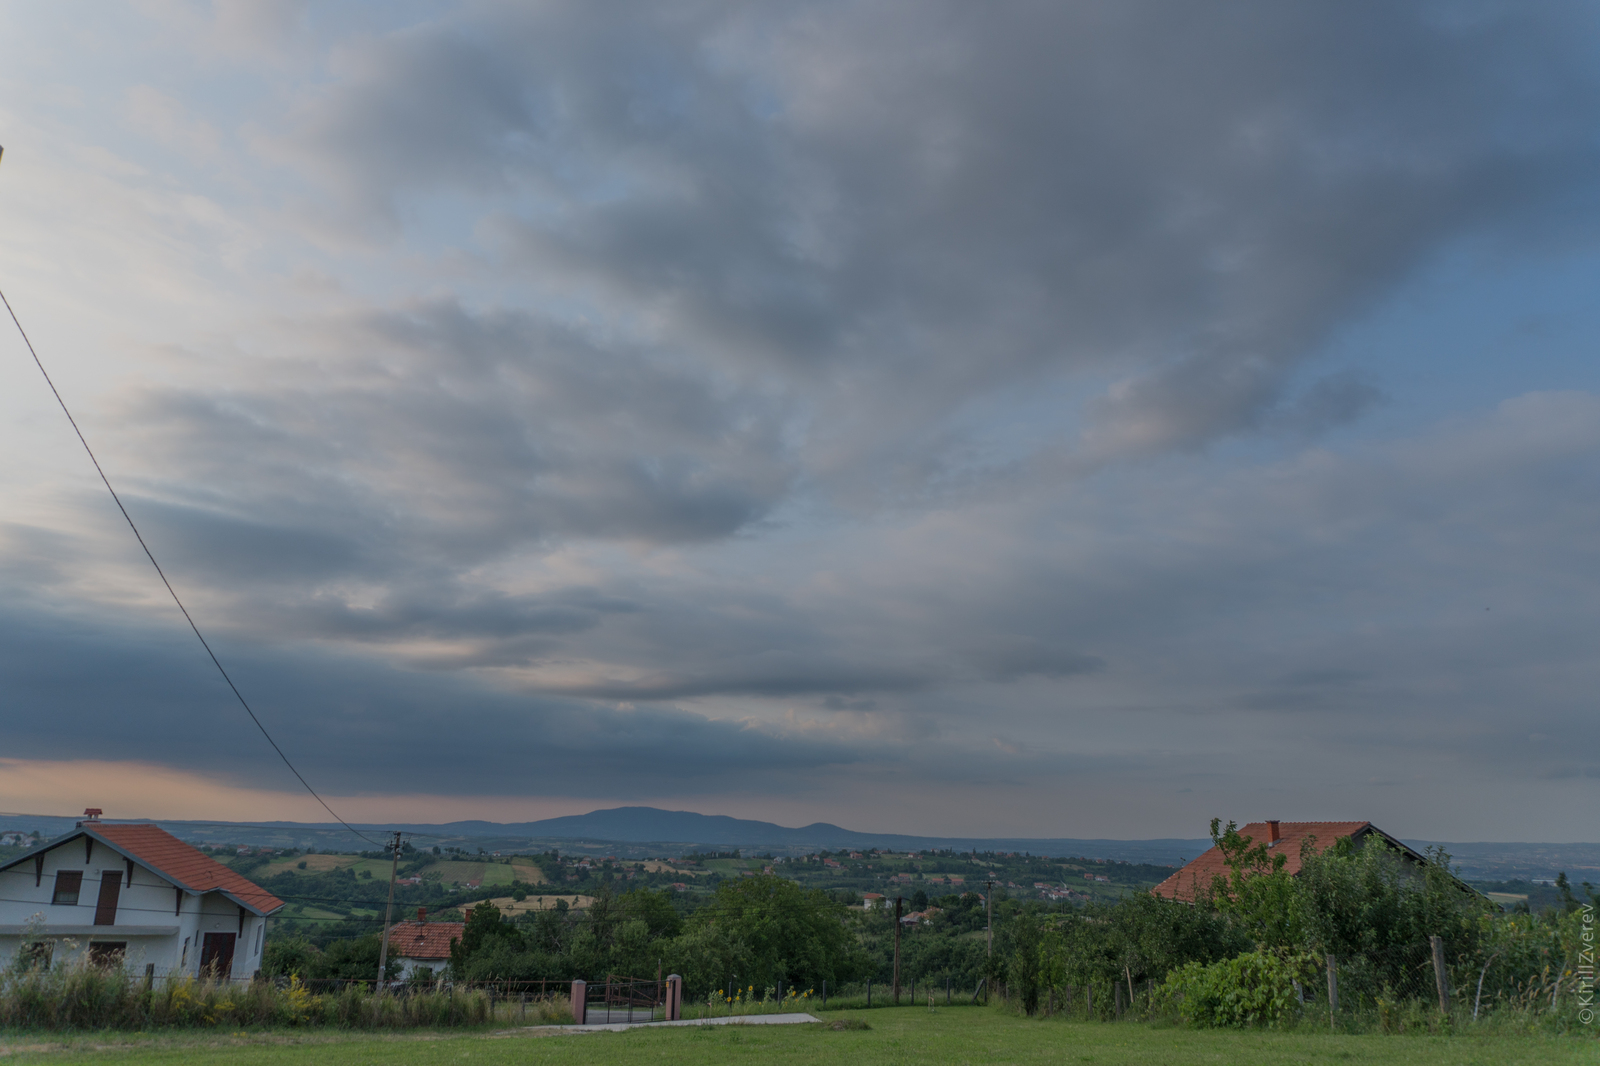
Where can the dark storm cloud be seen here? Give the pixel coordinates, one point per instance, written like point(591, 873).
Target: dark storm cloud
point(910, 203)
point(149, 694)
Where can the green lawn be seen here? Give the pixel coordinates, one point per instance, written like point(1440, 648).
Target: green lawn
point(910, 1036)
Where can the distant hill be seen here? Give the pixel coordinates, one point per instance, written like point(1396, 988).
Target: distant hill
point(635, 832)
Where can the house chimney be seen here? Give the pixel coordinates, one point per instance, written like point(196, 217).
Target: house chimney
point(466, 914)
point(422, 914)
point(92, 813)
point(1273, 836)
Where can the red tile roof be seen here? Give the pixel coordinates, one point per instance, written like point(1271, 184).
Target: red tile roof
point(424, 940)
point(174, 860)
point(185, 865)
point(1198, 875)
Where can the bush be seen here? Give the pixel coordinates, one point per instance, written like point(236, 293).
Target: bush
point(1256, 988)
point(80, 995)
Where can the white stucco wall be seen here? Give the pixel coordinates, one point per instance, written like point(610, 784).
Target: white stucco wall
point(145, 920)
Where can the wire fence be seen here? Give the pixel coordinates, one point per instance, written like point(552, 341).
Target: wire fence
point(1528, 974)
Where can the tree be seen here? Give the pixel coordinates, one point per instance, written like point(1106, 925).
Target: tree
point(767, 929)
point(1259, 892)
point(486, 930)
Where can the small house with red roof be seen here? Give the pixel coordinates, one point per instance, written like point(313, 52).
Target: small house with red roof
point(423, 947)
point(1286, 838)
point(136, 896)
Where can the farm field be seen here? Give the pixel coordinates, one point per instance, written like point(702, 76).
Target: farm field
point(460, 871)
point(510, 907)
point(450, 871)
point(952, 1036)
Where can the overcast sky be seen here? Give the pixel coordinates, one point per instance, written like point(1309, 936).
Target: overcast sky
point(1026, 419)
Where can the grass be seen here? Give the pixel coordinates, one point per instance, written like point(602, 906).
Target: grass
point(911, 1036)
point(461, 871)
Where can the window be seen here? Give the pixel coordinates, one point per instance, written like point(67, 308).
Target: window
point(259, 930)
point(36, 956)
point(108, 952)
point(68, 882)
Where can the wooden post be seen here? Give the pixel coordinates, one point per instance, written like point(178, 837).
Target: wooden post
point(1440, 977)
point(899, 902)
point(1088, 999)
point(1333, 989)
point(388, 912)
point(580, 996)
point(988, 903)
point(1116, 998)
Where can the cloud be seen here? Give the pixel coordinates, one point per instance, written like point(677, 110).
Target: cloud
point(813, 399)
point(898, 207)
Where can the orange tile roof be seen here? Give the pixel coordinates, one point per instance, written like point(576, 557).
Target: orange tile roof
point(424, 940)
point(165, 854)
point(184, 864)
point(1198, 875)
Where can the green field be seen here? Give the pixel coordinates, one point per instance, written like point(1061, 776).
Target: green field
point(897, 1036)
point(453, 871)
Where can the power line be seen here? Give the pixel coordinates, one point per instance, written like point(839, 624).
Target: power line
point(162, 574)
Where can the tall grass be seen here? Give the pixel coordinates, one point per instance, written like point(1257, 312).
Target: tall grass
point(79, 995)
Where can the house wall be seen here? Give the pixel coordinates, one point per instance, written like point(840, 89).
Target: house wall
point(158, 930)
point(410, 966)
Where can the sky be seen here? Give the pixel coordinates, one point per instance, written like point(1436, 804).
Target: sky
point(1032, 419)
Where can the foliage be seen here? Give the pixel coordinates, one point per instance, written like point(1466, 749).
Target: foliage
point(762, 930)
point(1255, 988)
point(354, 959)
point(1258, 893)
point(81, 995)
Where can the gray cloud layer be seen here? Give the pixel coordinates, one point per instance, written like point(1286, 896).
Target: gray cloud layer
point(872, 359)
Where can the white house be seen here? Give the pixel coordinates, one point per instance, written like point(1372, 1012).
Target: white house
point(423, 945)
point(135, 893)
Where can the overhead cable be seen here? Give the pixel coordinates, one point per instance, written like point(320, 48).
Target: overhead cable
point(162, 574)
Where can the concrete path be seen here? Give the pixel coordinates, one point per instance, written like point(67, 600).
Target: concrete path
point(737, 1019)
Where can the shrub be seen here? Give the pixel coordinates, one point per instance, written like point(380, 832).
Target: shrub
point(1256, 988)
point(81, 995)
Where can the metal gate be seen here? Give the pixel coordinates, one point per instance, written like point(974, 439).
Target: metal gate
point(624, 999)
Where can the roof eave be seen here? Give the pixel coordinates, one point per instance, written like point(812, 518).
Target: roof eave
point(67, 838)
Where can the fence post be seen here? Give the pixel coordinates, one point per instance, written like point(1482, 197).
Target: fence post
point(674, 997)
point(824, 991)
point(1116, 999)
point(1441, 978)
point(1333, 989)
point(869, 991)
point(580, 996)
point(1088, 999)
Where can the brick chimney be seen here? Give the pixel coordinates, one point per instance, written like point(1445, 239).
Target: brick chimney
point(466, 914)
point(422, 914)
point(1273, 836)
point(91, 814)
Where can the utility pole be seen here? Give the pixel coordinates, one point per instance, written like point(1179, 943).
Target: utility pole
point(898, 901)
point(988, 900)
point(388, 910)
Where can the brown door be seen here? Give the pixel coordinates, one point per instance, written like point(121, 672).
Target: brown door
point(105, 911)
point(216, 956)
